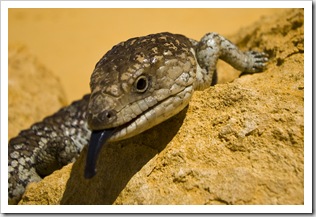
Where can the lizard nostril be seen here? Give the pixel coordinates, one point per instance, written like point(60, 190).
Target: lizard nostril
point(107, 116)
point(102, 120)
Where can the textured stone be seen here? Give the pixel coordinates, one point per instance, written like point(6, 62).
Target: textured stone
point(236, 143)
point(49, 191)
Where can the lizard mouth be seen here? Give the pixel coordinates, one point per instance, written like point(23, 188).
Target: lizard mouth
point(100, 137)
point(97, 140)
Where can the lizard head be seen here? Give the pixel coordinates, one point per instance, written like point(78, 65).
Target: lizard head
point(138, 84)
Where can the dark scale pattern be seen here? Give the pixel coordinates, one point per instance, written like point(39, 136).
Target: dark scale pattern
point(47, 146)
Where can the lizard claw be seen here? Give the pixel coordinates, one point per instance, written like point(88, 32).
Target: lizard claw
point(259, 61)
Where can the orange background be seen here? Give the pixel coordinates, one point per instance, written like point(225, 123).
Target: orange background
point(70, 41)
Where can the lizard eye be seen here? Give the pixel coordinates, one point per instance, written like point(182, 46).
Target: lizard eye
point(141, 84)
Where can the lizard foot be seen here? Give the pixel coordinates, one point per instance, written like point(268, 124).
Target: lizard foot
point(258, 61)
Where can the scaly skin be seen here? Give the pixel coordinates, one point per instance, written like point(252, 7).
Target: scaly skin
point(136, 85)
point(47, 146)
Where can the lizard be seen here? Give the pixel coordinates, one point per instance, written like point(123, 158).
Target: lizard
point(136, 85)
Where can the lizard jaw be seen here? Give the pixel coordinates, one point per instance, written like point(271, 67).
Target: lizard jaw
point(133, 127)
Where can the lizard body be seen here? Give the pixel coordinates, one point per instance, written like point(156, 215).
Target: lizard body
point(136, 85)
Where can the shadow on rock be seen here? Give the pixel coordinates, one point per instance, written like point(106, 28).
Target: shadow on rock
point(117, 164)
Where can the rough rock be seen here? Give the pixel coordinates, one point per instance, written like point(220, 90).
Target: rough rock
point(34, 91)
point(49, 191)
point(236, 143)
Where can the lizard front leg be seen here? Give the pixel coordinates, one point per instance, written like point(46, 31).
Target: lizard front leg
point(212, 47)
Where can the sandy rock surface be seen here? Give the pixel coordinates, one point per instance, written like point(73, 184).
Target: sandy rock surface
point(31, 85)
point(236, 143)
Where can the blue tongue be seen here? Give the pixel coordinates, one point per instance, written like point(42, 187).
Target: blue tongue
point(98, 138)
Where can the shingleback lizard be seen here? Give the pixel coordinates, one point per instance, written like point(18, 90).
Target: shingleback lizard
point(136, 85)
